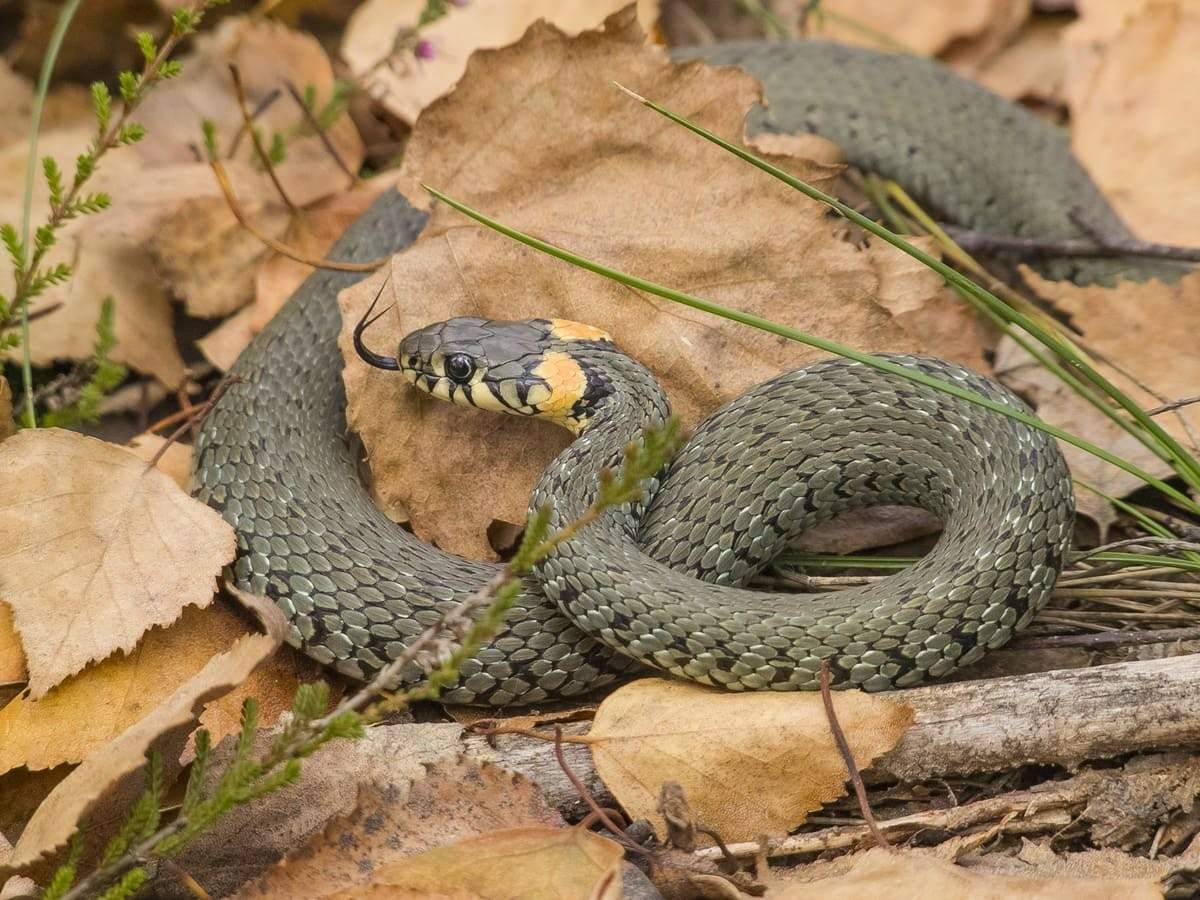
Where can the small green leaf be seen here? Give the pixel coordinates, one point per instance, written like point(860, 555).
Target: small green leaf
point(12, 243)
point(194, 793)
point(85, 165)
point(131, 133)
point(184, 21)
point(64, 875)
point(170, 69)
point(101, 104)
point(128, 83)
point(131, 882)
point(145, 42)
point(43, 239)
point(277, 151)
point(209, 129)
point(53, 179)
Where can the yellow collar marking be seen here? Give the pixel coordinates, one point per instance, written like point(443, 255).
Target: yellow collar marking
point(567, 383)
point(566, 330)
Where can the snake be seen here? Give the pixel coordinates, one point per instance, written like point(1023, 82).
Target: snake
point(661, 584)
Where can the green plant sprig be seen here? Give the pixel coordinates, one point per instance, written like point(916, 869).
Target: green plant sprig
point(28, 253)
point(246, 778)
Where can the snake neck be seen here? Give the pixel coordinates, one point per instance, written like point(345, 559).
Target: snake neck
point(623, 399)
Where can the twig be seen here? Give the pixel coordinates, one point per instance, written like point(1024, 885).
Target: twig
point(194, 414)
point(1173, 405)
point(597, 810)
point(839, 738)
point(1097, 246)
point(316, 126)
point(1106, 639)
point(279, 247)
point(263, 157)
point(263, 105)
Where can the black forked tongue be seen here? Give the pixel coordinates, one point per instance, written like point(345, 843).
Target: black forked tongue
point(368, 356)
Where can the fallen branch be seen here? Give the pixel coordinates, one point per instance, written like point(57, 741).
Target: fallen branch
point(1062, 717)
point(983, 242)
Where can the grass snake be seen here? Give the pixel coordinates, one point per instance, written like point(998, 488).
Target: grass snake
point(660, 586)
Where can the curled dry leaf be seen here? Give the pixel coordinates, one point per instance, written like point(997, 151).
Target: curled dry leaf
point(1126, 63)
point(1032, 67)
point(379, 45)
point(918, 876)
point(532, 863)
point(750, 764)
point(71, 801)
point(601, 176)
point(98, 548)
point(90, 709)
point(457, 798)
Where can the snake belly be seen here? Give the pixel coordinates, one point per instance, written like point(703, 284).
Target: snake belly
point(274, 458)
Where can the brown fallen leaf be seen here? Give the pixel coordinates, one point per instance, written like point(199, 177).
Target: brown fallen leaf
point(1125, 64)
point(1032, 67)
point(603, 180)
point(12, 657)
point(222, 860)
point(750, 764)
point(80, 792)
point(912, 875)
point(97, 549)
point(531, 863)
point(1146, 329)
point(88, 710)
point(375, 48)
point(457, 798)
point(926, 28)
point(16, 103)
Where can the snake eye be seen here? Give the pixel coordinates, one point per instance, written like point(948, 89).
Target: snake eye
point(460, 367)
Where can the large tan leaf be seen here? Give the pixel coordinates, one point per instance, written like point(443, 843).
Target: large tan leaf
point(79, 793)
point(531, 863)
point(374, 49)
point(535, 135)
point(1127, 62)
point(920, 876)
point(750, 764)
point(12, 657)
point(91, 708)
point(458, 798)
point(97, 548)
point(928, 27)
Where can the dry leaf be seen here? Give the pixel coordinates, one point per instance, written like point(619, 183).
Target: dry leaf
point(176, 460)
point(457, 798)
point(926, 28)
point(12, 657)
point(1145, 329)
point(605, 181)
point(532, 863)
point(81, 791)
point(376, 50)
point(919, 876)
point(87, 711)
point(97, 549)
point(225, 343)
point(222, 860)
point(750, 764)
point(1127, 62)
point(1032, 67)
point(16, 103)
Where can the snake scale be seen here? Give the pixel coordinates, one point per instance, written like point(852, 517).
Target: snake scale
point(659, 586)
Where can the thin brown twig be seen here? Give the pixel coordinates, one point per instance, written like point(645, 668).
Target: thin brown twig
point(1107, 639)
point(278, 246)
point(195, 414)
point(617, 831)
point(263, 157)
point(839, 738)
point(330, 148)
point(263, 105)
point(1173, 405)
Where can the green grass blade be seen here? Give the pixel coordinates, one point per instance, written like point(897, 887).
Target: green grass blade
point(820, 343)
point(1185, 463)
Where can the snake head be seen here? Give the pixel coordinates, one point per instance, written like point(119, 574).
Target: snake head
point(524, 368)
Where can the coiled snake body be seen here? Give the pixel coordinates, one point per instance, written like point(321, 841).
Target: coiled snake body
point(658, 587)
